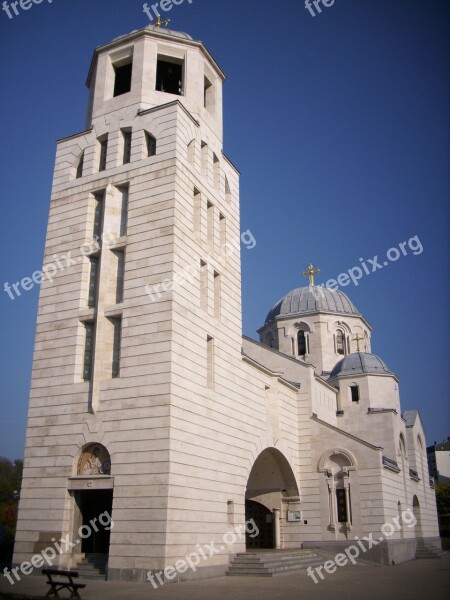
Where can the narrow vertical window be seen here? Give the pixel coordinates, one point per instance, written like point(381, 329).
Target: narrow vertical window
point(103, 153)
point(120, 279)
point(122, 78)
point(217, 295)
point(88, 351)
point(117, 339)
point(216, 164)
point(197, 211)
point(340, 342)
point(210, 223)
point(207, 92)
point(223, 230)
point(354, 391)
point(93, 282)
point(341, 506)
point(124, 192)
point(227, 190)
point(126, 147)
point(203, 285)
point(80, 166)
point(191, 152)
point(205, 155)
point(301, 339)
point(210, 361)
point(98, 215)
point(150, 143)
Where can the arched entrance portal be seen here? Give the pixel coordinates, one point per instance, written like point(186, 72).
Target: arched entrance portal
point(271, 490)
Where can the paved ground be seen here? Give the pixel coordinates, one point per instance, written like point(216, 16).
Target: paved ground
point(415, 580)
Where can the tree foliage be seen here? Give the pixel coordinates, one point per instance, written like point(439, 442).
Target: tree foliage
point(10, 478)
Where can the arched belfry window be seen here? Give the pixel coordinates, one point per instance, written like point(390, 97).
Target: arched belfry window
point(302, 343)
point(340, 342)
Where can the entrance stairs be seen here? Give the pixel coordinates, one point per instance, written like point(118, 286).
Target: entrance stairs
point(426, 549)
point(274, 563)
point(92, 566)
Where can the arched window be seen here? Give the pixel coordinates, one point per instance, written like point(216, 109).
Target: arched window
point(302, 345)
point(340, 342)
point(80, 165)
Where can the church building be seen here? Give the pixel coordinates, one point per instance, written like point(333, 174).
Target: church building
point(147, 403)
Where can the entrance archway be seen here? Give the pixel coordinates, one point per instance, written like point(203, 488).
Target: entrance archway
point(271, 486)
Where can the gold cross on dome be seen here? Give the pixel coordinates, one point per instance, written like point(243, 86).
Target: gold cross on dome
point(160, 23)
point(310, 273)
point(357, 339)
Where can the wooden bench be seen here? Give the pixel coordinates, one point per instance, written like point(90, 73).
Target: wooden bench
point(62, 580)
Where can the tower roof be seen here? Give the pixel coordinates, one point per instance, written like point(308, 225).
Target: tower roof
point(312, 299)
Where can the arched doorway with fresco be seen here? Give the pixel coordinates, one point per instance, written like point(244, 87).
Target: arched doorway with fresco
point(91, 490)
point(272, 493)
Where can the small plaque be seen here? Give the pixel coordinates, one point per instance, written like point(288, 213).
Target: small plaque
point(294, 516)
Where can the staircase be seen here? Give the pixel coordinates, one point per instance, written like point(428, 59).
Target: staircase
point(92, 566)
point(427, 549)
point(273, 563)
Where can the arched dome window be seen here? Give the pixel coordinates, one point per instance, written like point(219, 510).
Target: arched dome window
point(302, 343)
point(340, 342)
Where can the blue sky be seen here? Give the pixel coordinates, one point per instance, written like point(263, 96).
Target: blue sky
point(339, 126)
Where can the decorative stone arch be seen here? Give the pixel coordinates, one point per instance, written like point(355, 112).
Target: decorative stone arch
point(420, 445)
point(92, 460)
point(342, 325)
point(337, 464)
point(301, 340)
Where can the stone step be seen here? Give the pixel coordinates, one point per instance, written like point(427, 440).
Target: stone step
point(272, 564)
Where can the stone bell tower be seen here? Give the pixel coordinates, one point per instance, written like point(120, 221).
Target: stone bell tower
point(138, 334)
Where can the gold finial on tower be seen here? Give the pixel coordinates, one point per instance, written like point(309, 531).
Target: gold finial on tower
point(358, 339)
point(160, 23)
point(310, 273)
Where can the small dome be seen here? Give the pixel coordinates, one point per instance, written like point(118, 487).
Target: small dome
point(312, 299)
point(178, 34)
point(360, 363)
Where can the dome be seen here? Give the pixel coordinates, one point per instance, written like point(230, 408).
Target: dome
point(312, 299)
point(360, 363)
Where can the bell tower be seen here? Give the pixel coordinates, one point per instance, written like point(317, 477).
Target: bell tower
point(142, 332)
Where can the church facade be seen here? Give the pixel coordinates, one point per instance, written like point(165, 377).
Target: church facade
point(146, 402)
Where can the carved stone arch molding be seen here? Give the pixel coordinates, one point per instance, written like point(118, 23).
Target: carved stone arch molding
point(342, 325)
point(322, 465)
point(302, 325)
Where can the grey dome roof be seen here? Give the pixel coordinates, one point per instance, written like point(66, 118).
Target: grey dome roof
point(360, 363)
point(312, 299)
point(176, 34)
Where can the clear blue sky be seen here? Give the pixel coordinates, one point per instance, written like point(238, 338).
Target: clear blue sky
point(339, 125)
